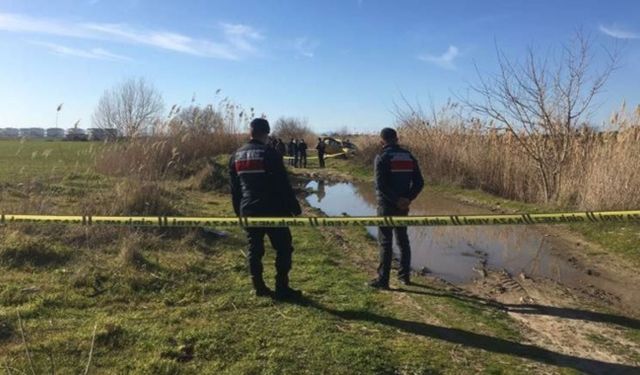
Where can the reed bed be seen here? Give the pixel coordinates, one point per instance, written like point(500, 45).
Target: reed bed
point(601, 172)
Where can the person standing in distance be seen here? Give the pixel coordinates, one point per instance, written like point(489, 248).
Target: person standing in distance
point(260, 187)
point(398, 182)
point(321, 147)
point(292, 152)
point(302, 148)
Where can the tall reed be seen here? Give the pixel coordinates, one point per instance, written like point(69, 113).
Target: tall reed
point(602, 171)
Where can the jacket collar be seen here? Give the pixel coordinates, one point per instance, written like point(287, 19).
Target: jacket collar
point(390, 147)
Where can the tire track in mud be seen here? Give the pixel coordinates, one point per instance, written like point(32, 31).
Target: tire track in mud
point(561, 319)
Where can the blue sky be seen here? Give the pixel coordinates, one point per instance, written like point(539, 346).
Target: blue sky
point(336, 62)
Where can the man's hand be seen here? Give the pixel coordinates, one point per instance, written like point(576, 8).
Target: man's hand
point(403, 204)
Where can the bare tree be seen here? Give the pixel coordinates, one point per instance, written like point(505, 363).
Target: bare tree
point(200, 119)
point(291, 127)
point(129, 107)
point(542, 102)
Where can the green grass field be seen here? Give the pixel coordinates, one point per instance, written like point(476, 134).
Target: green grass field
point(179, 302)
point(22, 160)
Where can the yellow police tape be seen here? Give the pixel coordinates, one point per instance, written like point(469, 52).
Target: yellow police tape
point(346, 221)
point(315, 157)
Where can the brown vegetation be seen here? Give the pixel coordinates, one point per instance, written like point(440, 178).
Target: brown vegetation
point(600, 170)
point(179, 147)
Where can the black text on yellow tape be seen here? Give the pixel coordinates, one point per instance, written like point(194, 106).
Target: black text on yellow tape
point(381, 221)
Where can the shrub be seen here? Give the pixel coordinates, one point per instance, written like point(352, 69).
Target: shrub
point(142, 198)
point(19, 250)
point(213, 177)
point(6, 329)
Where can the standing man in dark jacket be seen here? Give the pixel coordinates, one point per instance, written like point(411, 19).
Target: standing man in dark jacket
point(260, 187)
point(302, 150)
point(398, 182)
point(321, 147)
point(293, 152)
point(281, 147)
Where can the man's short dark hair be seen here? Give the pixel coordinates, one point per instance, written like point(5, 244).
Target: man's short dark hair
point(388, 134)
point(259, 127)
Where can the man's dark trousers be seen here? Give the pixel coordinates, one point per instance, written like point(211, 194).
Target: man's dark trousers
point(281, 241)
point(321, 159)
point(385, 239)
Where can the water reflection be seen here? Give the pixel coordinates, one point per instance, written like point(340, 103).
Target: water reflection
point(451, 252)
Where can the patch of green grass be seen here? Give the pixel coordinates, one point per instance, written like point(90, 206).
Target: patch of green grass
point(623, 239)
point(351, 166)
point(18, 250)
point(21, 160)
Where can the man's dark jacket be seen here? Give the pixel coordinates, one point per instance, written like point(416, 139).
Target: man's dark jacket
point(259, 182)
point(397, 175)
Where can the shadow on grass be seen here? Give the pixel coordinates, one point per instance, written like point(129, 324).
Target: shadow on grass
point(561, 312)
point(479, 341)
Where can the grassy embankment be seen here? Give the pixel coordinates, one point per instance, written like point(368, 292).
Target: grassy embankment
point(151, 301)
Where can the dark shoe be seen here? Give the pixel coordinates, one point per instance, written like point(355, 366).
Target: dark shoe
point(404, 281)
point(375, 283)
point(263, 292)
point(287, 294)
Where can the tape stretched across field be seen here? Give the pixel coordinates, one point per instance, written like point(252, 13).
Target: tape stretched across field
point(384, 221)
point(315, 157)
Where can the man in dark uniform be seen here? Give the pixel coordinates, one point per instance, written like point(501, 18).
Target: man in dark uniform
point(321, 147)
point(293, 152)
point(302, 151)
point(281, 147)
point(260, 187)
point(398, 182)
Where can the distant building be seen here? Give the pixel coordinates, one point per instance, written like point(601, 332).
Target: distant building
point(55, 133)
point(32, 133)
point(11, 133)
point(99, 134)
point(76, 134)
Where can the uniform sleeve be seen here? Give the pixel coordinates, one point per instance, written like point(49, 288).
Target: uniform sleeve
point(382, 171)
point(234, 184)
point(417, 181)
point(281, 180)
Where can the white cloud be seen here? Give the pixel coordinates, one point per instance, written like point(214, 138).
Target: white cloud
point(237, 40)
point(19, 23)
point(241, 37)
point(305, 47)
point(446, 60)
point(618, 33)
point(93, 53)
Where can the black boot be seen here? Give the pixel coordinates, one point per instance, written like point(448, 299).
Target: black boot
point(283, 291)
point(260, 288)
point(377, 284)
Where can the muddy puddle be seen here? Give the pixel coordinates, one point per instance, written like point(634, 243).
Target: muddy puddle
point(456, 254)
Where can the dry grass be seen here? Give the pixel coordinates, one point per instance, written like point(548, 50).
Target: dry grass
point(174, 155)
point(179, 147)
point(601, 172)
